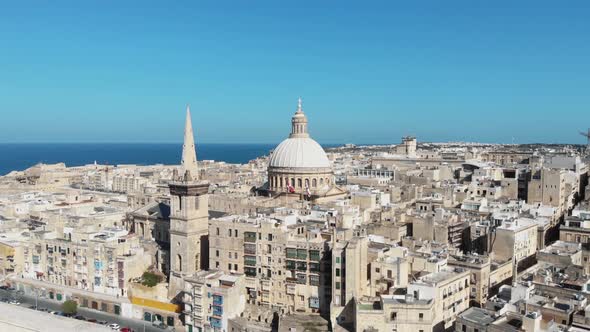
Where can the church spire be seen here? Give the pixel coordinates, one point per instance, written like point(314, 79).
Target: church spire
point(189, 155)
point(299, 122)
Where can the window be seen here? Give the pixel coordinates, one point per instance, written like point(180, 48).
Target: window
point(420, 316)
point(229, 267)
point(338, 272)
point(250, 271)
point(314, 267)
point(250, 260)
point(229, 233)
point(314, 255)
point(377, 270)
point(464, 328)
point(270, 237)
point(217, 264)
point(249, 237)
point(393, 315)
point(337, 285)
point(216, 253)
point(301, 254)
point(291, 253)
point(235, 267)
point(337, 260)
point(314, 280)
point(236, 233)
point(388, 273)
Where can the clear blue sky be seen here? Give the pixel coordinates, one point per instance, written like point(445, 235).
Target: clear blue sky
point(369, 72)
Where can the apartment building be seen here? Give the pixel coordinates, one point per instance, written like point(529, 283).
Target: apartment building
point(101, 262)
point(211, 298)
point(515, 239)
point(449, 289)
point(286, 262)
point(480, 268)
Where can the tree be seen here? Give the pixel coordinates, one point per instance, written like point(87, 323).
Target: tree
point(150, 279)
point(69, 307)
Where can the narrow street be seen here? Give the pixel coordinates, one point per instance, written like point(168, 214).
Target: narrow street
point(136, 325)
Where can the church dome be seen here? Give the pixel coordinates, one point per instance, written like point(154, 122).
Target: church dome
point(299, 152)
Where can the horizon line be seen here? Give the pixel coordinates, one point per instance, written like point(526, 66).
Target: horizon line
point(276, 143)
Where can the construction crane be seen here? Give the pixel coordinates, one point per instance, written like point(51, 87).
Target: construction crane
point(587, 135)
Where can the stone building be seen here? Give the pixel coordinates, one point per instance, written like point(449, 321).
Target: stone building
point(449, 289)
point(211, 299)
point(299, 166)
point(516, 239)
point(101, 262)
point(286, 262)
point(480, 268)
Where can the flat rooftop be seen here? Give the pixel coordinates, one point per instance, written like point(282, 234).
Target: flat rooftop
point(478, 316)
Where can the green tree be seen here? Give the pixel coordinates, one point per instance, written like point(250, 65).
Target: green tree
point(69, 307)
point(150, 279)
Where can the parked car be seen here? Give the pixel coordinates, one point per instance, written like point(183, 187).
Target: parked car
point(114, 326)
point(4, 287)
point(92, 320)
point(14, 302)
point(103, 322)
point(125, 329)
point(43, 309)
point(54, 312)
point(80, 317)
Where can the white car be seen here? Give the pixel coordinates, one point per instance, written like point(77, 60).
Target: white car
point(14, 302)
point(114, 326)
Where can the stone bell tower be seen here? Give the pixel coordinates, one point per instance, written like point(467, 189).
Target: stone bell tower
point(189, 216)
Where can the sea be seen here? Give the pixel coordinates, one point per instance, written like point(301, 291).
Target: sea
point(20, 156)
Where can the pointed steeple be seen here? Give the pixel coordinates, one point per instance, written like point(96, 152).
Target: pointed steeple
point(189, 154)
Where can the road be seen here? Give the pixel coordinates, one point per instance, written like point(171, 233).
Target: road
point(135, 324)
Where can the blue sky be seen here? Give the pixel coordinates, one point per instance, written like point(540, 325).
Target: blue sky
point(368, 72)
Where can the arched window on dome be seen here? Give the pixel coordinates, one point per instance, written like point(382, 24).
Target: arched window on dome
point(281, 182)
point(293, 182)
point(314, 183)
point(299, 185)
point(321, 181)
point(306, 183)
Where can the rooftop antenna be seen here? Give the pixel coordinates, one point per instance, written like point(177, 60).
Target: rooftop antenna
point(587, 135)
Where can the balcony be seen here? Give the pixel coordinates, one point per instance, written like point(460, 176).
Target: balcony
point(217, 311)
point(217, 300)
point(250, 260)
point(249, 237)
